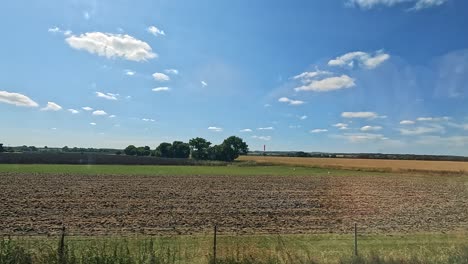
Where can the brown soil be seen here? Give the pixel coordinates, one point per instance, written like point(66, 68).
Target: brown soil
point(98, 205)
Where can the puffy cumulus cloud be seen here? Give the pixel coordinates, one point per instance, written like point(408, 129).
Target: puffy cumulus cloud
point(161, 89)
point(73, 111)
point(158, 76)
point(17, 99)
point(364, 59)
point(155, 31)
point(112, 116)
point(99, 113)
point(318, 130)
point(245, 130)
point(51, 106)
point(204, 84)
point(266, 128)
point(87, 108)
point(290, 101)
point(92, 123)
point(433, 119)
point(407, 122)
point(172, 71)
point(417, 4)
point(435, 129)
point(328, 84)
point(359, 115)
point(112, 45)
point(341, 126)
point(264, 138)
point(370, 128)
point(108, 96)
point(215, 129)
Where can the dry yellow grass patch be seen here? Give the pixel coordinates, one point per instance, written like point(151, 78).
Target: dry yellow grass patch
point(373, 164)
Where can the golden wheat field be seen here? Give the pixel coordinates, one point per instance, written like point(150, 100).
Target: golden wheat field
point(372, 164)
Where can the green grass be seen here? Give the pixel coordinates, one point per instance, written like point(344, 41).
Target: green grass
point(234, 170)
point(425, 248)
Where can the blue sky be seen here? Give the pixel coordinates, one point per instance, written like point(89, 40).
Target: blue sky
point(336, 75)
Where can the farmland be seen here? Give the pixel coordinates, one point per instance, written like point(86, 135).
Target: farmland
point(365, 164)
point(260, 210)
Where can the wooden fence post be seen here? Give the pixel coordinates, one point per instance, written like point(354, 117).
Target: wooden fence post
point(214, 244)
point(61, 249)
point(355, 240)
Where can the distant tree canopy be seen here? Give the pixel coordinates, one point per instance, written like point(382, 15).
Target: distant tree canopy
point(199, 148)
point(1, 148)
point(131, 150)
point(177, 149)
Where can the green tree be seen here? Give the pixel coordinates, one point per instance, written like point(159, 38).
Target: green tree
point(143, 151)
point(164, 150)
point(1, 148)
point(32, 148)
point(180, 150)
point(233, 147)
point(131, 150)
point(199, 148)
point(65, 149)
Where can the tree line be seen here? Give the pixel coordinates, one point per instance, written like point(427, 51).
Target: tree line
point(197, 148)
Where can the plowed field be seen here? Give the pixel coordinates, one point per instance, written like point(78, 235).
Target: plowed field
point(119, 204)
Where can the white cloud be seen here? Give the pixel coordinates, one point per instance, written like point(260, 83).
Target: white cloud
point(422, 130)
point(245, 130)
point(341, 126)
point(318, 130)
point(130, 72)
point(158, 76)
point(148, 120)
point(418, 4)
point(54, 29)
point(73, 111)
point(108, 96)
point(433, 119)
point(93, 124)
point(204, 84)
point(215, 129)
point(172, 71)
point(112, 45)
point(359, 115)
point(304, 117)
point(364, 59)
point(58, 30)
point(307, 76)
point(290, 101)
point(155, 31)
point(51, 106)
point(87, 108)
point(112, 116)
point(362, 137)
point(407, 122)
point(265, 138)
point(328, 84)
point(161, 89)
point(451, 142)
point(266, 128)
point(17, 99)
point(99, 113)
point(370, 128)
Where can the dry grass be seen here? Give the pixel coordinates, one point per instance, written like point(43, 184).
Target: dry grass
point(366, 164)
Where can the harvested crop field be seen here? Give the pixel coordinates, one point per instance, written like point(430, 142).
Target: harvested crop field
point(33, 204)
point(374, 164)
